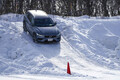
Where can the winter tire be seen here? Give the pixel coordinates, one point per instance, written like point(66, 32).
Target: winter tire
point(34, 38)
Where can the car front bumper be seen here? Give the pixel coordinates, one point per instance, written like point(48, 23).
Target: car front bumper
point(49, 39)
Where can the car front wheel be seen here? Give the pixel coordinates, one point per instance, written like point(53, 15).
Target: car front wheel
point(34, 38)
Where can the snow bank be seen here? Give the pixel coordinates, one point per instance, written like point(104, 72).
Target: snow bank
point(12, 17)
point(18, 54)
point(94, 39)
point(92, 47)
point(100, 33)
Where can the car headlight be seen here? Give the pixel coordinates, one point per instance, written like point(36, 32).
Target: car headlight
point(40, 35)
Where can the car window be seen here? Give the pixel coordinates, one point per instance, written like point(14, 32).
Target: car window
point(28, 16)
point(44, 22)
point(32, 21)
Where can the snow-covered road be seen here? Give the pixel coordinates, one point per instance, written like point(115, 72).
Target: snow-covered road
point(90, 45)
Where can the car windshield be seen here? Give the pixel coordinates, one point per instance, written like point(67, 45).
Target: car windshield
point(44, 22)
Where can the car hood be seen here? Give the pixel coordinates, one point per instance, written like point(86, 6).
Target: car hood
point(47, 30)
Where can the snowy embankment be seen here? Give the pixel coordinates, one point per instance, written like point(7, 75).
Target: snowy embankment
point(91, 45)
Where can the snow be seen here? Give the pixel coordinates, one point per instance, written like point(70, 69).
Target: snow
point(100, 33)
point(91, 46)
point(38, 12)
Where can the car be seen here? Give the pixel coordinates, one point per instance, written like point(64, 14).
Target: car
point(40, 26)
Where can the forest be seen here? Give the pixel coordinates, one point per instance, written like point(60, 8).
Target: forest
point(63, 7)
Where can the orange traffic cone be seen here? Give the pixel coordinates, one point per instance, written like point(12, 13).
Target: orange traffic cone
point(68, 68)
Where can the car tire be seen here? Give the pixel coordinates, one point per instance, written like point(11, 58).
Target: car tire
point(24, 27)
point(34, 38)
point(59, 39)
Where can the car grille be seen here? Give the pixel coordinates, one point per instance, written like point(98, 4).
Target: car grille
point(50, 36)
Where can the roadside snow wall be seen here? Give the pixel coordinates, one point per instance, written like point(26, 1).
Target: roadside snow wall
point(100, 33)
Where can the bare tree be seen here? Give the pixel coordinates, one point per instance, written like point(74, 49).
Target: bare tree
point(63, 7)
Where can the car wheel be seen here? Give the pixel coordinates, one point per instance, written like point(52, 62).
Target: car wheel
point(59, 39)
point(34, 38)
point(24, 27)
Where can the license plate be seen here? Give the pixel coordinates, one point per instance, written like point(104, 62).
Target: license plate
point(50, 39)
